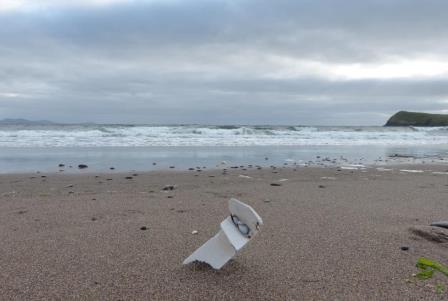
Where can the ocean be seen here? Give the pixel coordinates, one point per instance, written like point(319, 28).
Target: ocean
point(25, 148)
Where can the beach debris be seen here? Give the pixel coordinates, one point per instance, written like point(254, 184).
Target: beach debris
point(111, 168)
point(9, 193)
point(412, 170)
point(348, 168)
point(276, 184)
point(168, 187)
point(244, 176)
point(384, 169)
point(442, 224)
point(82, 166)
point(428, 267)
point(283, 180)
point(440, 173)
point(236, 231)
point(440, 288)
point(328, 178)
point(194, 232)
point(61, 165)
point(434, 234)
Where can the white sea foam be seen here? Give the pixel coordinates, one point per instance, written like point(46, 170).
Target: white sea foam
point(122, 135)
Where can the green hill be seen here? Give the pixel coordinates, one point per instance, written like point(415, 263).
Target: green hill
point(404, 118)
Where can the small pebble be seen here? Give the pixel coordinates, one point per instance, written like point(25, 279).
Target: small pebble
point(168, 187)
point(143, 228)
point(404, 248)
point(194, 232)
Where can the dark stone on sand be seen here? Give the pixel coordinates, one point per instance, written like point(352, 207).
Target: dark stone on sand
point(191, 168)
point(109, 179)
point(441, 224)
point(82, 166)
point(144, 228)
point(93, 219)
point(111, 168)
point(434, 234)
point(43, 176)
point(172, 167)
point(154, 163)
point(61, 165)
point(135, 174)
point(128, 178)
point(170, 197)
point(404, 248)
point(321, 186)
point(276, 184)
point(168, 187)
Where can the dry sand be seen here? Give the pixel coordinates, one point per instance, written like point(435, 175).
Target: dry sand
point(79, 237)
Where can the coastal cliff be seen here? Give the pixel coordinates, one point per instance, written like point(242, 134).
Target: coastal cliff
point(404, 118)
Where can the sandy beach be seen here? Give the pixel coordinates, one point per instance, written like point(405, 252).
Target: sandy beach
point(328, 234)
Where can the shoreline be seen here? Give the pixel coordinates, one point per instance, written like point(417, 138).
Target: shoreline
point(327, 234)
point(158, 158)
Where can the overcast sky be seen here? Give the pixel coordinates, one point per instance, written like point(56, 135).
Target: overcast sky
point(318, 62)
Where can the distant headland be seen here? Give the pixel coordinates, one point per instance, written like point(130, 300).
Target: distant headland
point(404, 118)
point(21, 121)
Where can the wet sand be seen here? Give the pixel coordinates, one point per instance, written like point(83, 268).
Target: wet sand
point(329, 234)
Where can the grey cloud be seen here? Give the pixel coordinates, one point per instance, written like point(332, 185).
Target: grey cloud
point(207, 61)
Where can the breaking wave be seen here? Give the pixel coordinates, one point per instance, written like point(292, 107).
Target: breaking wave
point(229, 135)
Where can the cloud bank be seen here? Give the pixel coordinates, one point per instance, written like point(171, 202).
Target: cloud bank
point(223, 61)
